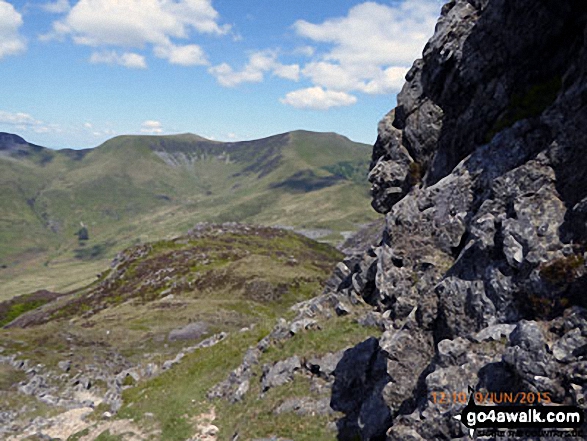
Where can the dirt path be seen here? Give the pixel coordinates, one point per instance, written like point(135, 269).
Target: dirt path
point(203, 424)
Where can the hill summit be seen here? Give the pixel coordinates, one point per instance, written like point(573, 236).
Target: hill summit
point(140, 188)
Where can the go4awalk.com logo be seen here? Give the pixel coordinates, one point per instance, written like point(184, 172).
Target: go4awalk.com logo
point(520, 420)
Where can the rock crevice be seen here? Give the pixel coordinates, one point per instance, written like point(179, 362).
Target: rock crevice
point(480, 171)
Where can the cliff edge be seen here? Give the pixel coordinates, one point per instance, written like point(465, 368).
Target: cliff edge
point(480, 275)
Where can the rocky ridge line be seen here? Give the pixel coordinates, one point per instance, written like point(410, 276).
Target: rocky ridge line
point(481, 173)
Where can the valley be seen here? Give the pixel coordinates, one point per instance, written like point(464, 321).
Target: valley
point(137, 189)
point(159, 338)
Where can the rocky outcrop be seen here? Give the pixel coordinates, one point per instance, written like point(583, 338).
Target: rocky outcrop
point(480, 272)
point(191, 331)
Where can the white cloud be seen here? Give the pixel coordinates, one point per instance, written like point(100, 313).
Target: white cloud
point(25, 122)
point(259, 63)
point(306, 51)
point(188, 55)
point(318, 98)
point(153, 127)
point(378, 34)
point(11, 42)
point(97, 132)
point(287, 71)
point(370, 51)
point(227, 77)
point(333, 76)
point(387, 80)
point(127, 59)
point(57, 7)
point(140, 23)
point(19, 118)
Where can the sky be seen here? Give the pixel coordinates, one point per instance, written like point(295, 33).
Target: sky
point(76, 73)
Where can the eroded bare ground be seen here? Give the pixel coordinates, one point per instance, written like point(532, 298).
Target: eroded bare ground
point(205, 430)
point(78, 424)
point(74, 422)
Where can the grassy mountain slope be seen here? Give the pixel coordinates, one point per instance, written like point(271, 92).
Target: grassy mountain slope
point(139, 188)
point(232, 279)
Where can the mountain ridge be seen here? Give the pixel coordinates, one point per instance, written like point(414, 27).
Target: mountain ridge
point(143, 187)
point(13, 138)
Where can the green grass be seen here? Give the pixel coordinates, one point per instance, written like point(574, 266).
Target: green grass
point(9, 377)
point(77, 436)
point(11, 309)
point(355, 171)
point(212, 275)
point(178, 396)
point(255, 417)
point(41, 207)
point(229, 281)
point(93, 252)
point(19, 309)
point(106, 436)
point(255, 266)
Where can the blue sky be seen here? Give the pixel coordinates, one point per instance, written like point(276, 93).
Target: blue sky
point(76, 73)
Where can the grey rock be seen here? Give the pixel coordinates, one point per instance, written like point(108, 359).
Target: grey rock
point(170, 363)
point(453, 352)
point(133, 374)
point(237, 384)
point(64, 365)
point(464, 306)
point(280, 373)
point(264, 343)
point(571, 345)
point(407, 350)
point(513, 250)
point(528, 336)
point(150, 370)
point(281, 331)
point(34, 386)
point(360, 377)
point(208, 342)
point(374, 320)
point(494, 332)
point(302, 325)
point(480, 272)
point(342, 309)
point(403, 433)
point(324, 366)
point(191, 331)
point(305, 406)
point(241, 390)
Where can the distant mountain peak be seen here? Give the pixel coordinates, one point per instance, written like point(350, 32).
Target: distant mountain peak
point(10, 141)
point(189, 137)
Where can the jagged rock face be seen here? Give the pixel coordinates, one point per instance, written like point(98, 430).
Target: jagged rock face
point(482, 174)
point(485, 60)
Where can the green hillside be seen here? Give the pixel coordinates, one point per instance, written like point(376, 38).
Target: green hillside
point(134, 189)
point(134, 342)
